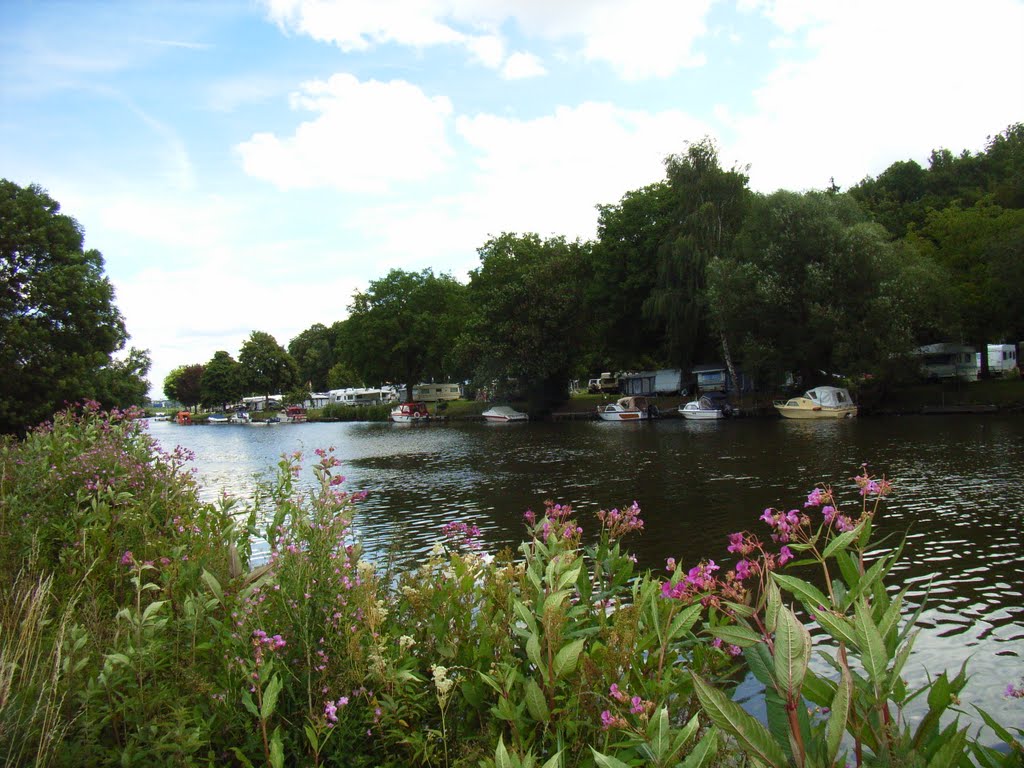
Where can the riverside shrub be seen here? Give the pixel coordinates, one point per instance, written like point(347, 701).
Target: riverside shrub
point(140, 630)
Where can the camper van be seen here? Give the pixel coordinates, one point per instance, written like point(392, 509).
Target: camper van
point(948, 361)
point(432, 393)
point(1002, 359)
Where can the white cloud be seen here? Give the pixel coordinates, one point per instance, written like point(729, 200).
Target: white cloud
point(365, 137)
point(646, 38)
point(520, 65)
point(547, 175)
point(356, 26)
point(881, 82)
point(637, 38)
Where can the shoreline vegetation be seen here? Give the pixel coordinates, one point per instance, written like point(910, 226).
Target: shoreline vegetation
point(136, 632)
point(1003, 395)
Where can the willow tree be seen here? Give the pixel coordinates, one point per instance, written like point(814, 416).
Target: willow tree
point(708, 209)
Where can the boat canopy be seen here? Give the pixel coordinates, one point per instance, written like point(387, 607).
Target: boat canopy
point(830, 397)
point(633, 403)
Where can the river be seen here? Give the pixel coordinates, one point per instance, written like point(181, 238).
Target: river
point(958, 496)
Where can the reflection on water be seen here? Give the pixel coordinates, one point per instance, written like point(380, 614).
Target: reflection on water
point(958, 498)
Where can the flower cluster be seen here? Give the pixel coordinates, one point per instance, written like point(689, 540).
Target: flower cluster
point(557, 521)
point(331, 709)
point(618, 523)
point(462, 535)
point(637, 706)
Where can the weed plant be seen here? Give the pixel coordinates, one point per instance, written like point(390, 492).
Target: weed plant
point(137, 632)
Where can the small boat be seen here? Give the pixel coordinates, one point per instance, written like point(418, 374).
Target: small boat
point(239, 417)
point(706, 408)
point(628, 409)
point(503, 413)
point(819, 403)
point(217, 418)
point(410, 413)
point(183, 417)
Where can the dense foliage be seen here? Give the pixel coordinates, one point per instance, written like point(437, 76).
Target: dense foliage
point(59, 327)
point(139, 629)
point(696, 268)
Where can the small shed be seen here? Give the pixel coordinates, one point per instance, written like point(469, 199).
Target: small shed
point(714, 377)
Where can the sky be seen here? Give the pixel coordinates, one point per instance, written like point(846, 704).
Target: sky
point(247, 165)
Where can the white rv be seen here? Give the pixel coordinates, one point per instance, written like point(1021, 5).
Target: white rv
point(432, 393)
point(1002, 358)
point(948, 361)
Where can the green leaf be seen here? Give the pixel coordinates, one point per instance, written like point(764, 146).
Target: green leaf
point(996, 727)
point(567, 658)
point(311, 737)
point(119, 658)
point(737, 635)
point(241, 758)
point(704, 751)
point(214, 585)
point(535, 703)
point(250, 705)
point(276, 749)
point(792, 653)
point(658, 734)
point(808, 594)
point(533, 652)
point(732, 718)
point(270, 695)
point(525, 614)
point(570, 576)
point(872, 648)
point(742, 610)
point(839, 627)
point(774, 601)
point(818, 689)
point(952, 749)
point(606, 761)
point(501, 758)
point(759, 659)
point(841, 542)
point(684, 622)
point(836, 726)
point(555, 761)
point(152, 609)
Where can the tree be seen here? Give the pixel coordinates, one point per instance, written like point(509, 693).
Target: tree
point(122, 382)
point(709, 206)
point(403, 328)
point(184, 384)
point(314, 355)
point(221, 382)
point(624, 273)
point(526, 326)
point(266, 366)
point(812, 287)
point(58, 323)
point(980, 247)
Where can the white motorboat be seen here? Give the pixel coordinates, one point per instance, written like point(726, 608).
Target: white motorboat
point(627, 409)
point(705, 408)
point(503, 413)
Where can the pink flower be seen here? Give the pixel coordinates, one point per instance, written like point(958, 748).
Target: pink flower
point(785, 555)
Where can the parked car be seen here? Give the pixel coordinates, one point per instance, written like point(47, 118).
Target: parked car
point(606, 384)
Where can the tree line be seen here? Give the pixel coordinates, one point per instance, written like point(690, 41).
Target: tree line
point(691, 269)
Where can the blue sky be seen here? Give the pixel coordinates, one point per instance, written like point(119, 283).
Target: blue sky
point(247, 165)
